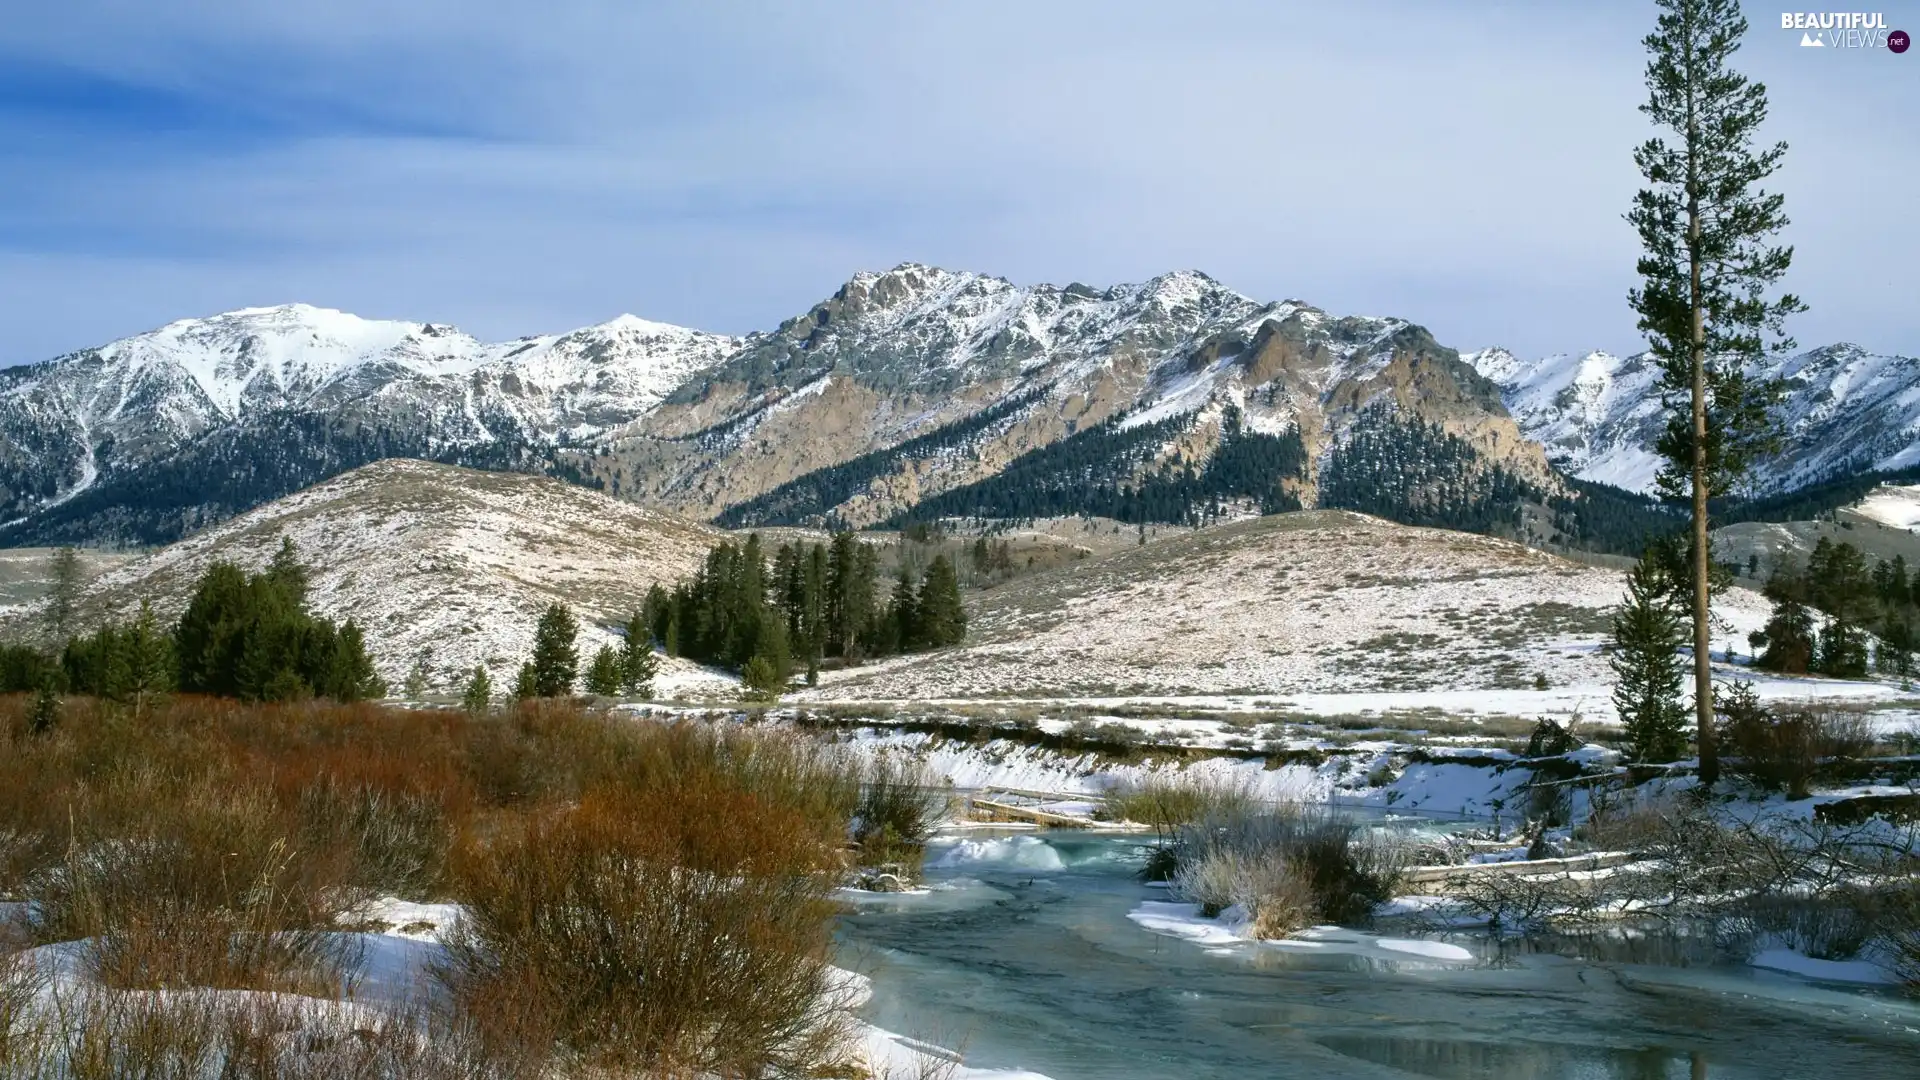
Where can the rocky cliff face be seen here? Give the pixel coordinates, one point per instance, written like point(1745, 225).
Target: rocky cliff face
point(918, 355)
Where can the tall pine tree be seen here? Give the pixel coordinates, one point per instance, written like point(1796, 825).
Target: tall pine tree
point(63, 590)
point(1706, 268)
point(149, 659)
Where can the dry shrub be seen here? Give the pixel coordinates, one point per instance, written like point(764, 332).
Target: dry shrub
point(1902, 907)
point(206, 892)
point(1275, 896)
point(1168, 803)
point(899, 809)
point(681, 929)
point(659, 869)
point(398, 840)
point(1287, 869)
point(1520, 901)
point(24, 1032)
point(111, 1035)
point(1834, 926)
point(1785, 748)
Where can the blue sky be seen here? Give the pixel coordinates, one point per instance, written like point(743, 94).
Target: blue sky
point(526, 168)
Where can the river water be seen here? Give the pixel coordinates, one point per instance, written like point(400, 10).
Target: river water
point(1022, 954)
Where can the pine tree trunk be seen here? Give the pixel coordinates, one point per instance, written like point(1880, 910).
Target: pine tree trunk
point(1702, 658)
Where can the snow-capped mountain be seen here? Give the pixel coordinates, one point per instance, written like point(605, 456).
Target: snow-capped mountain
point(973, 371)
point(153, 437)
point(1846, 411)
point(912, 384)
point(255, 381)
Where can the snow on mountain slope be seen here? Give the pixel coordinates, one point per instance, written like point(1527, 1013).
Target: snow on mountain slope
point(1846, 410)
point(1890, 504)
point(898, 355)
point(258, 357)
point(104, 413)
point(442, 565)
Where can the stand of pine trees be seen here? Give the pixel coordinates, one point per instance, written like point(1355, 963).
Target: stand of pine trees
point(1826, 615)
point(242, 635)
point(1108, 471)
point(812, 602)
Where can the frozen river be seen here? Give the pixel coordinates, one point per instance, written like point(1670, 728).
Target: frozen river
point(1023, 954)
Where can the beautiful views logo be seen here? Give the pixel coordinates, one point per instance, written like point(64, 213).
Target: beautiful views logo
point(1845, 30)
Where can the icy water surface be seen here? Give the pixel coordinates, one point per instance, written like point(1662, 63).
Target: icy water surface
point(1023, 954)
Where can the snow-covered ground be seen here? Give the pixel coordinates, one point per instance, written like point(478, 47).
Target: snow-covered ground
point(1326, 613)
point(1890, 504)
point(390, 966)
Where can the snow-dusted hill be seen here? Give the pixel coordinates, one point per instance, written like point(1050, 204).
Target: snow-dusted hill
point(1322, 607)
point(442, 565)
point(1847, 410)
point(1897, 505)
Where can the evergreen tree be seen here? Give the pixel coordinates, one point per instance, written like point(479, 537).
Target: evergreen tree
point(1842, 651)
point(900, 627)
point(638, 666)
point(287, 573)
point(211, 632)
point(760, 680)
point(813, 607)
point(251, 636)
point(606, 674)
point(942, 617)
point(526, 684)
point(350, 672)
point(655, 611)
point(1647, 668)
point(24, 669)
point(96, 664)
point(63, 590)
point(1788, 640)
point(45, 714)
point(478, 695)
point(1705, 272)
point(1894, 656)
point(771, 647)
point(149, 659)
point(1890, 582)
point(556, 661)
point(416, 685)
point(851, 570)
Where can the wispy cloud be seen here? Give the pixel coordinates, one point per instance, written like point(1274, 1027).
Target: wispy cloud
point(519, 168)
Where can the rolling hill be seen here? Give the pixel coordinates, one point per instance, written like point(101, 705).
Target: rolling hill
point(442, 566)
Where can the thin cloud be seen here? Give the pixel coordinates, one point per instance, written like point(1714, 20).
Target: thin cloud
point(518, 170)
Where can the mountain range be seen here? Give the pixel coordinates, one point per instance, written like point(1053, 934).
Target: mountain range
point(913, 392)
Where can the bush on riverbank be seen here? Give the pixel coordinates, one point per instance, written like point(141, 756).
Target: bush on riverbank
point(214, 844)
point(1286, 868)
point(1169, 803)
point(899, 809)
